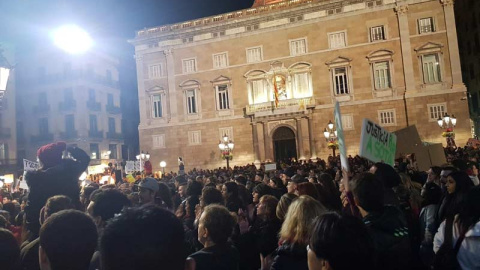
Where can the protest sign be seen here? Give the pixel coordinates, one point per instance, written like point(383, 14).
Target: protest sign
point(30, 165)
point(23, 184)
point(377, 144)
point(270, 167)
point(340, 137)
point(129, 167)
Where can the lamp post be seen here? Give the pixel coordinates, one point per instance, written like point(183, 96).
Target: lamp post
point(448, 123)
point(226, 148)
point(163, 164)
point(331, 136)
point(142, 157)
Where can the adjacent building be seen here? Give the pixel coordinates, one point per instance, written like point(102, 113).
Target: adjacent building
point(394, 62)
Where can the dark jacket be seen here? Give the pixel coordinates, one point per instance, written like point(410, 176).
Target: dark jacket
point(29, 256)
point(390, 234)
point(290, 256)
point(58, 180)
point(266, 236)
point(218, 257)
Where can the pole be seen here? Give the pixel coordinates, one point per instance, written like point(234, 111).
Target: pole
point(333, 148)
point(228, 162)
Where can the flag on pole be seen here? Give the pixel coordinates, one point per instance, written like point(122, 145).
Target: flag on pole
point(275, 87)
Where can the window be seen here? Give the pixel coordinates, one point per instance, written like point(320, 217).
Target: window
point(337, 40)
point(254, 54)
point(436, 111)
point(189, 65)
point(425, 25)
point(157, 111)
point(381, 74)
point(69, 123)
point(225, 131)
point(43, 126)
point(95, 151)
point(110, 99)
point(93, 122)
point(220, 60)
point(91, 94)
point(191, 101)
point(222, 97)
point(195, 137)
point(431, 68)
point(302, 85)
point(159, 141)
point(298, 46)
point(111, 125)
point(387, 117)
point(377, 33)
point(347, 121)
point(259, 91)
point(340, 81)
point(113, 151)
point(155, 71)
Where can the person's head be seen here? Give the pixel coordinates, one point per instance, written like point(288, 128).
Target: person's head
point(445, 172)
point(309, 189)
point(241, 180)
point(230, 190)
point(148, 238)
point(211, 195)
point(180, 180)
point(368, 192)
point(470, 214)
point(194, 188)
point(432, 194)
point(51, 154)
point(7, 198)
point(283, 204)
point(387, 175)
point(190, 204)
point(332, 237)
point(148, 188)
point(9, 250)
point(293, 183)
point(260, 190)
point(182, 190)
point(105, 204)
point(275, 182)
point(434, 173)
point(56, 204)
point(458, 182)
point(67, 241)
point(165, 195)
point(3, 222)
point(267, 206)
point(298, 222)
point(215, 225)
point(85, 195)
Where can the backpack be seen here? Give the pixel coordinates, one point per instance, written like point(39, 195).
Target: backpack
point(446, 257)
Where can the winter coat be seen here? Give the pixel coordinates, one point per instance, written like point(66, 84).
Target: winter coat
point(290, 256)
point(218, 257)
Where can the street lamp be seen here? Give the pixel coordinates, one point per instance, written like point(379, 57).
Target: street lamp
point(163, 164)
point(226, 148)
point(72, 39)
point(448, 122)
point(142, 157)
point(331, 136)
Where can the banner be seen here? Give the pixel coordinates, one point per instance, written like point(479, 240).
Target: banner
point(377, 144)
point(129, 167)
point(270, 167)
point(30, 165)
point(340, 137)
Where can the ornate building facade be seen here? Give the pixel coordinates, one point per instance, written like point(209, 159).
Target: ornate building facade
point(394, 62)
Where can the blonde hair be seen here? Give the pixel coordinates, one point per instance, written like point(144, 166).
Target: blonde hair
point(299, 219)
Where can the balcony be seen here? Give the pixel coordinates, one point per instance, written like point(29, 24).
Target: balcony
point(92, 105)
point(114, 136)
point(67, 105)
point(74, 75)
point(68, 135)
point(112, 109)
point(284, 106)
point(95, 134)
point(41, 108)
point(47, 137)
point(5, 133)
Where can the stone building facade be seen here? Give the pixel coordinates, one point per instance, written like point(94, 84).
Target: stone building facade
point(394, 62)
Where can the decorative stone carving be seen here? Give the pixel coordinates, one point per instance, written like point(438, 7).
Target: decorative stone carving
point(167, 52)
point(447, 2)
point(401, 9)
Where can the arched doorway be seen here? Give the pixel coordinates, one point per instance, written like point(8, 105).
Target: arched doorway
point(284, 144)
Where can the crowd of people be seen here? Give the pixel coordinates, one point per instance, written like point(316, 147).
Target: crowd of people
point(304, 215)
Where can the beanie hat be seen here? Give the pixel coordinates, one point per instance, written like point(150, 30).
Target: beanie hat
point(51, 154)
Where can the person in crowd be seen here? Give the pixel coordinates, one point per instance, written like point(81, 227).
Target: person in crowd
point(457, 185)
point(214, 229)
point(386, 222)
point(211, 195)
point(390, 179)
point(465, 234)
point(307, 188)
point(431, 198)
point(294, 234)
point(293, 183)
point(9, 250)
point(329, 194)
point(278, 187)
point(230, 194)
point(283, 204)
point(164, 197)
point(85, 194)
point(472, 172)
point(7, 198)
point(56, 176)
point(147, 238)
point(340, 243)
point(29, 253)
point(148, 189)
point(67, 241)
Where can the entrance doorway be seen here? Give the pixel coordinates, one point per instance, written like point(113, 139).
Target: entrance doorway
point(284, 144)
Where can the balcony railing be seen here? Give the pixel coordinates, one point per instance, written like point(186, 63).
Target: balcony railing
point(41, 108)
point(67, 105)
point(114, 136)
point(96, 134)
point(92, 105)
point(5, 133)
point(113, 109)
point(300, 104)
point(71, 134)
point(48, 137)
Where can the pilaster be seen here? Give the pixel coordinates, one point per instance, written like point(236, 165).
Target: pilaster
point(402, 14)
point(171, 95)
point(452, 42)
point(301, 154)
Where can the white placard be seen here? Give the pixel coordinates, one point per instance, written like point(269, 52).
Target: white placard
point(270, 167)
point(30, 165)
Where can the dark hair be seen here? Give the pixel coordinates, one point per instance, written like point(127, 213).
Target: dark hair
point(270, 203)
point(211, 195)
point(436, 170)
point(309, 189)
point(460, 164)
point(219, 223)
point(194, 188)
point(56, 204)
point(9, 250)
point(432, 194)
point(8, 196)
point(335, 235)
point(147, 237)
point(369, 192)
point(192, 201)
point(241, 179)
point(387, 175)
point(88, 190)
point(232, 189)
point(108, 202)
point(3, 222)
point(278, 182)
point(470, 214)
point(463, 183)
point(69, 238)
point(165, 195)
point(10, 208)
point(262, 189)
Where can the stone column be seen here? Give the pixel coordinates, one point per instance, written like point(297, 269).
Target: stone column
point(142, 99)
point(171, 93)
point(256, 149)
point(267, 141)
point(401, 10)
point(301, 154)
point(452, 41)
point(311, 139)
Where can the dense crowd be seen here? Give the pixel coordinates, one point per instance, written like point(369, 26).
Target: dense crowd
point(304, 215)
